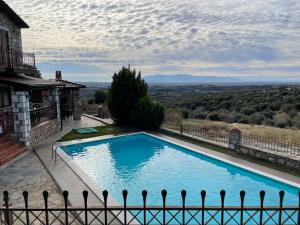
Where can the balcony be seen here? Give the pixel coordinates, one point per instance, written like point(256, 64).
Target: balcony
point(40, 112)
point(13, 60)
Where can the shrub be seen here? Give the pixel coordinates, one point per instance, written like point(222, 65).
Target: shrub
point(214, 117)
point(282, 120)
point(297, 106)
point(100, 97)
point(148, 114)
point(236, 117)
point(269, 114)
point(126, 90)
point(287, 107)
point(185, 114)
point(200, 116)
point(244, 119)
point(248, 111)
point(256, 119)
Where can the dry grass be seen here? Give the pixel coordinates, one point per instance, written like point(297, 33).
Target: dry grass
point(289, 135)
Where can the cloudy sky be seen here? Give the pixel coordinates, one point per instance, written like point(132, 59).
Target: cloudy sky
point(90, 39)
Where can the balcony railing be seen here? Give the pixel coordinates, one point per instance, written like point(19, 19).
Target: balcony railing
point(40, 112)
point(16, 59)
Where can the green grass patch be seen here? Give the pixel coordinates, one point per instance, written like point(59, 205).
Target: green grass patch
point(101, 130)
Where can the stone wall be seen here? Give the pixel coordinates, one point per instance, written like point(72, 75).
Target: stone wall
point(22, 123)
point(269, 156)
point(14, 33)
point(41, 132)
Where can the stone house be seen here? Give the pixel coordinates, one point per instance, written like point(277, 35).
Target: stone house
point(29, 105)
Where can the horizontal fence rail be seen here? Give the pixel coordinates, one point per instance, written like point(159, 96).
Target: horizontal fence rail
point(275, 145)
point(40, 113)
point(271, 144)
point(147, 215)
point(220, 136)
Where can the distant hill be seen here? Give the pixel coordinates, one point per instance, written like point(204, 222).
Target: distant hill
point(183, 78)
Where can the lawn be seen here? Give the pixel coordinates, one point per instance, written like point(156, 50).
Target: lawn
point(101, 130)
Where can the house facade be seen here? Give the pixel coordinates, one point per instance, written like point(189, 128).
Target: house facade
point(29, 105)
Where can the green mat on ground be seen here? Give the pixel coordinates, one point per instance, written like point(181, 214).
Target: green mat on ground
point(86, 130)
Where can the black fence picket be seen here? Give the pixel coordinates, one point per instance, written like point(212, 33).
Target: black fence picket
point(148, 215)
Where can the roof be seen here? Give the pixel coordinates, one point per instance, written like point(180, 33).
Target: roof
point(69, 84)
point(28, 82)
point(11, 14)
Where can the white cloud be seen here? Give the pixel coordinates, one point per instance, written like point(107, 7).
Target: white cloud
point(172, 36)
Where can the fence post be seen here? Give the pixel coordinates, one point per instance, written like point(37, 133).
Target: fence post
point(8, 217)
point(281, 196)
point(234, 139)
point(105, 194)
point(242, 196)
point(25, 196)
point(144, 194)
point(45, 196)
point(125, 193)
point(261, 210)
point(222, 194)
point(183, 196)
point(85, 197)
point(203, 194)
point(164, 195)
point(65, 195)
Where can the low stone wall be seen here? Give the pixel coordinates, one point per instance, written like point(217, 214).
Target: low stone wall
point(41, 132)
point(269, 156)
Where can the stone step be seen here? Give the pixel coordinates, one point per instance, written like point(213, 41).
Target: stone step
point(9, 149)
point(5, 158)
point(6, 144)
point(3, 139)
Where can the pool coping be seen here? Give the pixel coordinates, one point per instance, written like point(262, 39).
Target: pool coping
point(111, 201)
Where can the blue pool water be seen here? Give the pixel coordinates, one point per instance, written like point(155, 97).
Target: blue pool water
point(139, 161)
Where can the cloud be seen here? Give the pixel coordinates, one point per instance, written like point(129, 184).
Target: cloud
point(157, 36)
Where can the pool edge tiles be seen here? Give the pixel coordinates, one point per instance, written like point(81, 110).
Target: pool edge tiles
point(171, 141)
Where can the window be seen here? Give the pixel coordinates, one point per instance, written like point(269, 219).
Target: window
point(4, 53)
point(4, 96)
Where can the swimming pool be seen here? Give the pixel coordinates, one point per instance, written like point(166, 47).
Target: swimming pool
point(140, 161)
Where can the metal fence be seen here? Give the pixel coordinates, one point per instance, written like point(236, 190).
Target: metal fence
point(148, 215)
point(221, 136)
point(40, 112)
point(247, 139)
point(271, 144)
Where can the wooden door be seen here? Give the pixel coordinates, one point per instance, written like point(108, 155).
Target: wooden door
point(4, 49)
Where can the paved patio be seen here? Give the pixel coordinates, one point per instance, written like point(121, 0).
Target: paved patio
point(28, 174)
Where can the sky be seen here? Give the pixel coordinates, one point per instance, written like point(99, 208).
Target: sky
point(89, 40)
